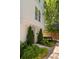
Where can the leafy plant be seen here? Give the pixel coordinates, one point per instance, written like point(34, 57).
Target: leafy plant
point(22, 47)
point(47, 42)
point(34, 52)
point(51, 9)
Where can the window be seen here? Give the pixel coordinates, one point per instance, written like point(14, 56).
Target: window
point(36, 10)
point(37, 14)
point(39, 0)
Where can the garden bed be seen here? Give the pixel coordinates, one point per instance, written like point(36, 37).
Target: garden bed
point(33, 52)
point(49, 43)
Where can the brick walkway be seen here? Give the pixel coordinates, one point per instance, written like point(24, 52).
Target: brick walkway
point(55, 54)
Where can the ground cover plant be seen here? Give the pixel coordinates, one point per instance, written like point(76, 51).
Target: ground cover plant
point(32, 52)
point(48, 42)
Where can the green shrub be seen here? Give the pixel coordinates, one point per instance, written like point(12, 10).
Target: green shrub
point(30, 36)
point(47, 42)
point(34, 52)
point(22, 47)
point(40, 36)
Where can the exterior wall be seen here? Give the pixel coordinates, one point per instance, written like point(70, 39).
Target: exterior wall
point(27, 17)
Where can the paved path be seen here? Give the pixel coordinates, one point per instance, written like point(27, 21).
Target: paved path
point(50, 50)
point(55, 54)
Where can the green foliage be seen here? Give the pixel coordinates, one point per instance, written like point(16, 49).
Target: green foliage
point(22, 47)
point(30, 36)
point(40, 36)
point(48, 43)
point(52, 15)
point(34, 52)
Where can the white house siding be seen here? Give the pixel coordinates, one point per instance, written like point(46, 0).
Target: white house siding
point(27, 17)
